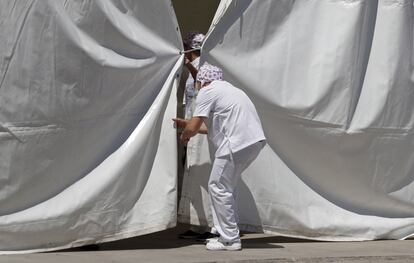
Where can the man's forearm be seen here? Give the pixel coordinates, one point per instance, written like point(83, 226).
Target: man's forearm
point(191, 129)
point(192, 69)
point(188, 133)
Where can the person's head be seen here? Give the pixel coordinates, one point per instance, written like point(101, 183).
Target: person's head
point(207, 74)
point(193, 40)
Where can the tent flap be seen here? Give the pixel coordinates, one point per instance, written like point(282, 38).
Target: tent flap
point(86, 100)
point(332, 81)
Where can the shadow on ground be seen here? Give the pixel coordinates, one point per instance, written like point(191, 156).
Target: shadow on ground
point(168, 239)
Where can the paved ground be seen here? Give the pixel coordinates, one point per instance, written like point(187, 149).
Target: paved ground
point(166, 247)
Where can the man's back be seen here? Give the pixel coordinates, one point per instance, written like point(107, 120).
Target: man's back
point(232, 120)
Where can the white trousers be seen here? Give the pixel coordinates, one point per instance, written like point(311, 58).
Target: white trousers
point(224, 177)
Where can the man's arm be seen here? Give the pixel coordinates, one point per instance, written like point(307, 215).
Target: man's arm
point(191, 68)
point(191, 127)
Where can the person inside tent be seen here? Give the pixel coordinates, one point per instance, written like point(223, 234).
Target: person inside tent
point(192, 46)
point(234, 128)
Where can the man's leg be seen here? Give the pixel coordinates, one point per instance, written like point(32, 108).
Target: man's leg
point(246, 156)
point(221, 186)
point(225, 175)
point(242, 160)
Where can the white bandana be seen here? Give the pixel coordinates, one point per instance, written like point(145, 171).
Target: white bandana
point(194, 40)
point(209, 73)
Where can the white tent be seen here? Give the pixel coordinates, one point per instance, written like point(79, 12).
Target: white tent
point(334, 84)
point(87, 91)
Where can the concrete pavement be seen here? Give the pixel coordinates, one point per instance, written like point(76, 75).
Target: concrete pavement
point(166, 247)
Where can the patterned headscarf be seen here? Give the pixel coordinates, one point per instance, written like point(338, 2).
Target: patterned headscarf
point(209, 73)
point(194, 40)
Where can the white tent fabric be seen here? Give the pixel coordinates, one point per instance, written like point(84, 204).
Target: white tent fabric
point(87, 149)
point(333, 82)
point(87, 90)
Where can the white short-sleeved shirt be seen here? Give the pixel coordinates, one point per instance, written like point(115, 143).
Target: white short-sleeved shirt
point(231, 118)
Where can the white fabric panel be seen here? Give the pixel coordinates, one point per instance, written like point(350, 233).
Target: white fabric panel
point(87, 94)
point(333, 82)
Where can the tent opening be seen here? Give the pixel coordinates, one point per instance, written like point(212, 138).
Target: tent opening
point(192, 15)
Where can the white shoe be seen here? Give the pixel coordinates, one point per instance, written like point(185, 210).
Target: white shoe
point(213, 239)
point(222, 245)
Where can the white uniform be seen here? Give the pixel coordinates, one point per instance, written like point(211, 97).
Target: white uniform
point(235, 130)
point(190, 91)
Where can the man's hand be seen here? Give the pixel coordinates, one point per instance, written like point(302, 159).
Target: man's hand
point(191, 127)
point(184, 138)
point(180, 123)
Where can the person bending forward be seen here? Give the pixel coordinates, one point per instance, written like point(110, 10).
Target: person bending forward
point(234, 128)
